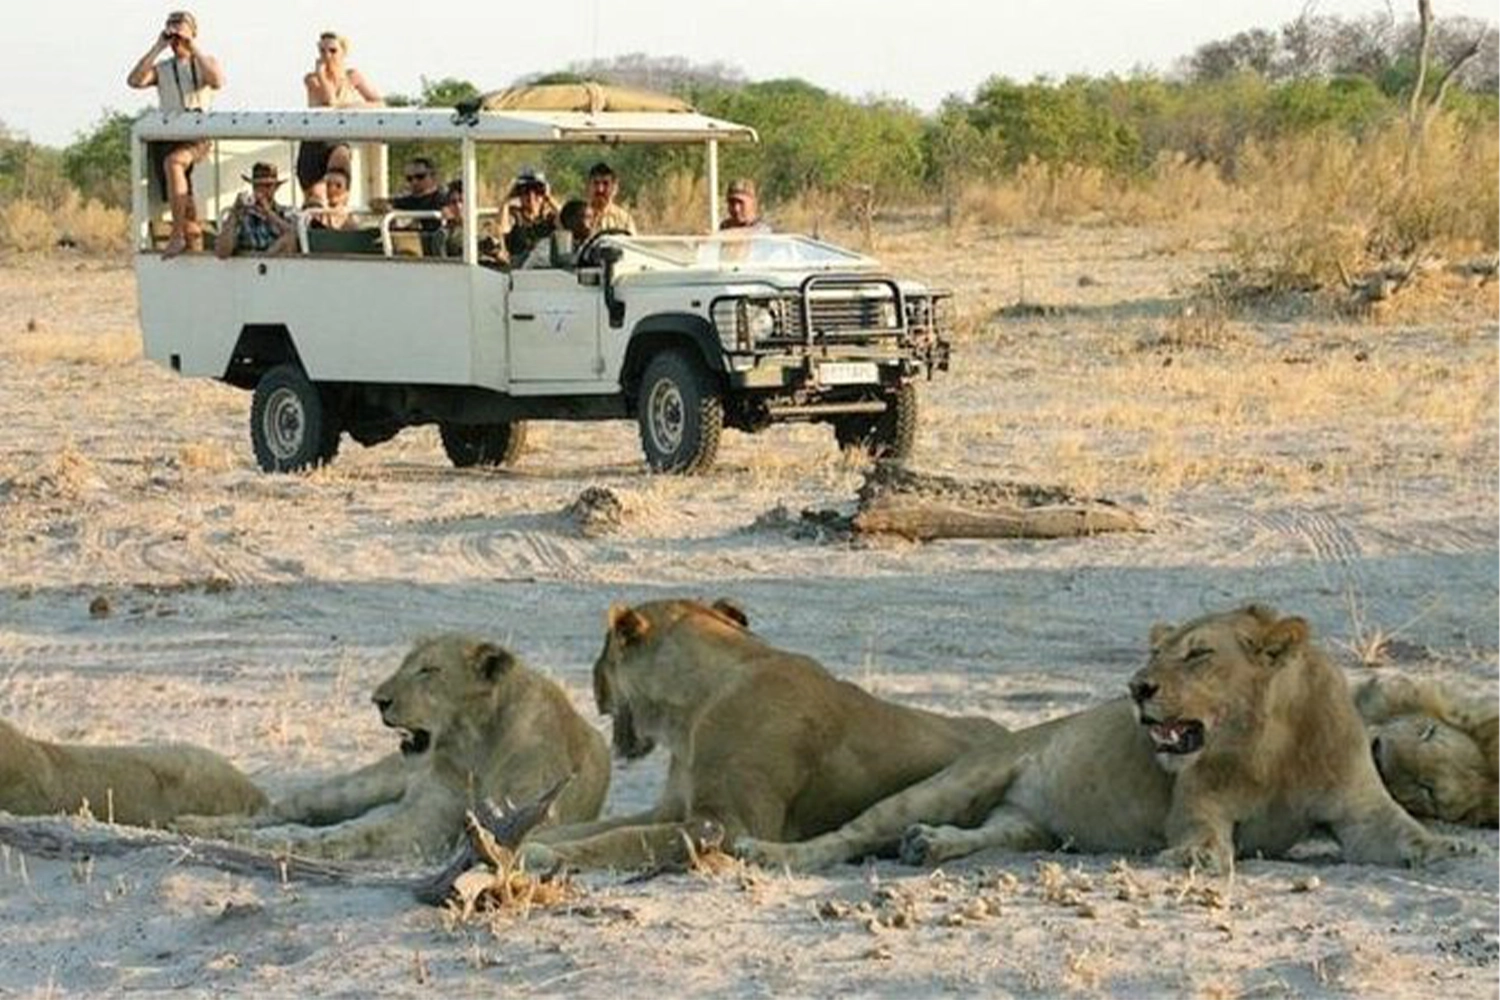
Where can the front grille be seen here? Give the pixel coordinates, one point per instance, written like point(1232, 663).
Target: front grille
point(849, 312)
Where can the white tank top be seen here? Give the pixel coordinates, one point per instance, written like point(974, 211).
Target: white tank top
point(179, 85)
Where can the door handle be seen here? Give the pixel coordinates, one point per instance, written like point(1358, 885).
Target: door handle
point(523, 317)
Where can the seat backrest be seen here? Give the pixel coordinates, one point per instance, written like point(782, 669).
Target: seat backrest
point(343, 241)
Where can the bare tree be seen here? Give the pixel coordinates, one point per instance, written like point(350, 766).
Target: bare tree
point(1421, 109)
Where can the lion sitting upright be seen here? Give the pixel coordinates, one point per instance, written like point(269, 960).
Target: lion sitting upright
point(478, 724)
point(763, 742)
point(1239, 738)
point(139, 785)
point(1435, 746)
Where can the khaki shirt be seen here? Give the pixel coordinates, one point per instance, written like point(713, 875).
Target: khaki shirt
point(614, 217)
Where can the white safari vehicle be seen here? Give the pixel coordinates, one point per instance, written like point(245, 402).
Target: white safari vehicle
point(365, 333)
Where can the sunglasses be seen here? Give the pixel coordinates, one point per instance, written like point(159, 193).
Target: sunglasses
point(418, 177)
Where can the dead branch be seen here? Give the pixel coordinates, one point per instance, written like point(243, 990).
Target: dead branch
point(72, 838)
point(503, 825)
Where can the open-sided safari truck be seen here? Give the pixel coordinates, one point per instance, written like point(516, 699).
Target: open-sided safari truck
point(686, 334)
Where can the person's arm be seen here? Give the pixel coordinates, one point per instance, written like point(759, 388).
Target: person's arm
point(364, 88)
point(229, 234)
point(143, 73)
point(322, 85)
point(210, 73)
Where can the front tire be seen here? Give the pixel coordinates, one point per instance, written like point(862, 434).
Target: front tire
point(292, 425)
point(681, 414)
point(468, 445)
point(889, 435)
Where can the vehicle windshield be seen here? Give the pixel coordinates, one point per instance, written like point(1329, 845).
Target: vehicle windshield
point(760, 251)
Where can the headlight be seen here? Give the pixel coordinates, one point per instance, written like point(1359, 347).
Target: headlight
point(760, 321)
point(888, 314)
point(741, 323)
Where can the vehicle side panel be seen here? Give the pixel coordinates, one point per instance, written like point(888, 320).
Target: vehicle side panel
point(352, 320)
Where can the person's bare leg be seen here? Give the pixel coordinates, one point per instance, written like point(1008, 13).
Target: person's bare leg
point(180, 198)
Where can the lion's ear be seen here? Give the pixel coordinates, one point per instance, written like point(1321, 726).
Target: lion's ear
point(732, 611)
point(629, 625)
point(1159, 633)
point(1281, 637)
point(490, 661)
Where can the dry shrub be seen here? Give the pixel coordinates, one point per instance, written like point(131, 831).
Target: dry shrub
point(1328, 206)
point(26, 226)
point(678, 206)
point(1041, 193)
point(92, 226)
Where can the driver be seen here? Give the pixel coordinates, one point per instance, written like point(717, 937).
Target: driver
point(608, 216)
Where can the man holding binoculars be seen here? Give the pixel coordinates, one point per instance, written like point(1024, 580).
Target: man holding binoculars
point(184, 80)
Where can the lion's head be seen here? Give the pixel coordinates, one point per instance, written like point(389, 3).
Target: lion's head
point(1206, 681)
point(1435, 770)
point(440, 682)
point(628, 661)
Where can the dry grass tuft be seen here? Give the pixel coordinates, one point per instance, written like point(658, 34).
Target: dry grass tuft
point(26, 227)
point(208, 456)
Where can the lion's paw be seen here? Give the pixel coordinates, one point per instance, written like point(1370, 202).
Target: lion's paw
point(765, 853)
point(922, 845)
point(1421, 851)
point(1204, 857)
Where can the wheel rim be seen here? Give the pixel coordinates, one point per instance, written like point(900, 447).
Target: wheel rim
point(284, 424)
point(667, 417)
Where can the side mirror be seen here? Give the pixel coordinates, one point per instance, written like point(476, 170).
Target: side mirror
point(609, 256)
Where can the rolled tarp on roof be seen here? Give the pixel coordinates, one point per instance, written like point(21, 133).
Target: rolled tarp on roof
point(589, 97)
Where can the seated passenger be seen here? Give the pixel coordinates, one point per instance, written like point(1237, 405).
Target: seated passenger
point(577, 218)
point(743, 214)
point(424, 193)
point(453, 229)
point(603, 186)
point(528, 216)
point(333, 213)
point(257, 223)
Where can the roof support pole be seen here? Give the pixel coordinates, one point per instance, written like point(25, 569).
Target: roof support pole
point(713, 185)
point(471, 200)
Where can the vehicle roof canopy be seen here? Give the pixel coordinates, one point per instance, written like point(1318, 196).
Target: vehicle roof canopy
point(552, 113)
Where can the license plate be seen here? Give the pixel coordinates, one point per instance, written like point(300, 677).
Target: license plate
point(848, 373)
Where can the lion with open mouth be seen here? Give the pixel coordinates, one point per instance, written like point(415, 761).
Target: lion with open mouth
point(1239, 737)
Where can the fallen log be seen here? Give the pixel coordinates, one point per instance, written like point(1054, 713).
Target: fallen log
point(900, 501)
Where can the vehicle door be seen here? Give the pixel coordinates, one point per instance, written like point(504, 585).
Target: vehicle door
point(553, 317)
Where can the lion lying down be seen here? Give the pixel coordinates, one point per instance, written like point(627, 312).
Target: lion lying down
point(139, 785)
point(1436, 746)
point(478, 724)
point(1239, 737)
point(763, 742)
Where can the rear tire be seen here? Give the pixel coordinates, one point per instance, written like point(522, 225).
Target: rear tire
point(680, 410)
point(468, 445)
point(889, 435)
point(292, 424)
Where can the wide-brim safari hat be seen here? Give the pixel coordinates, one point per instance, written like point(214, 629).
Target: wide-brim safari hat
point(261, 173)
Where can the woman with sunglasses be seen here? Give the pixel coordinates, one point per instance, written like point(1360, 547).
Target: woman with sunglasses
point(331, 84)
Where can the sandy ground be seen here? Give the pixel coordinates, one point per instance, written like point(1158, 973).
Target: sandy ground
point(1373, 513)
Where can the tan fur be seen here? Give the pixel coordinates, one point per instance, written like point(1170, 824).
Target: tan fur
point(1435, 746)
point(494, 729)
point(139, 785)
point(1283, 755)
point(763, 742)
